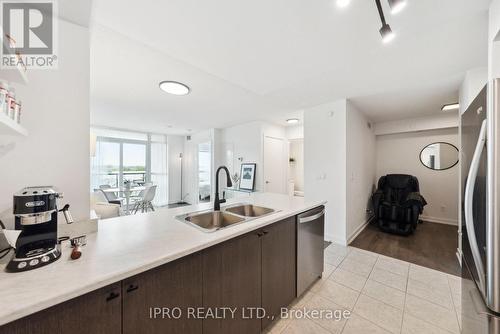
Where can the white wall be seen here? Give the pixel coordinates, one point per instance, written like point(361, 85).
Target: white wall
point(296, 168)
point(474, 82)
point(361, 163)
point(56, 114)
point(399, 154)
point(325, 164)
point(244, 144)
point(295, 132)
point(438, 121)
point(175, 146)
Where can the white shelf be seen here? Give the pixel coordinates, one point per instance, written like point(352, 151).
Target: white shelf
point(10, 127)
point(17, 75)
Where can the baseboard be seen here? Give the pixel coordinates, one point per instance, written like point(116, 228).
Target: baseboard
point(445, 221)
point(359, 230)
point(335, 240)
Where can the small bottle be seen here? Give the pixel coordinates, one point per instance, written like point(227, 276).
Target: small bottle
point(12, 103)
point(4, 100)
point(17, 113)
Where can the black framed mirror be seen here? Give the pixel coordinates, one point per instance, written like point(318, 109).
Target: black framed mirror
point(439, 156)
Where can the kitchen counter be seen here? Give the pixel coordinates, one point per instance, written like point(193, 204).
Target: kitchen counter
point(126, 246)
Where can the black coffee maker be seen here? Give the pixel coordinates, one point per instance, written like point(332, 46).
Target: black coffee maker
point(35, 211)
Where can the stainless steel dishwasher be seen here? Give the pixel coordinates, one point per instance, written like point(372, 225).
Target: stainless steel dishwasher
point(310, 247)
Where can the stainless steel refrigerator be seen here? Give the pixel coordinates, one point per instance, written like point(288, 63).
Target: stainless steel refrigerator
point(480, 186)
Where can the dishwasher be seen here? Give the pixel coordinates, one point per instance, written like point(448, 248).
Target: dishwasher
point(310, 247)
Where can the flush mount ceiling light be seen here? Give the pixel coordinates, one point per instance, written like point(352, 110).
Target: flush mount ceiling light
point(450, 107)
point(385, 31)
point(343, 3)
point(174, 88)
point(397, 5)
point(292, 120)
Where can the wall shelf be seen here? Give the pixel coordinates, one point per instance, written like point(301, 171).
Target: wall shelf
point(17, 75)
point(10, 127)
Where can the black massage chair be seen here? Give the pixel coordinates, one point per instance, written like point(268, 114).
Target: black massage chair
point(397, 203)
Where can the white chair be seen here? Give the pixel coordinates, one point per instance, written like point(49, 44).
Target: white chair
point(101, 207)
point(110, 196)
point(145, 203)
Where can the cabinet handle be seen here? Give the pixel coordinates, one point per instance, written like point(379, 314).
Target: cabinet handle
point(265, 232)
point(132, 287)
point(260, 234)
point(112, 296)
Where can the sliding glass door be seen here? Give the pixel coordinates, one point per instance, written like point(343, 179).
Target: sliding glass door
point(122, 157)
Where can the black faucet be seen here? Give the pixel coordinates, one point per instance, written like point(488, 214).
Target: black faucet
point(218, 201)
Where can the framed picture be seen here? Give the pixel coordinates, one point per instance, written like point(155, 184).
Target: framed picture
point(247, 177)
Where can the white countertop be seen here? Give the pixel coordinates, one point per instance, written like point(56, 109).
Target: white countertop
point(123, 247)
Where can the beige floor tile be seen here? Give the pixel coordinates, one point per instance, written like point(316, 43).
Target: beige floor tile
point(381, 314)
point(384, 293)
point(429, 276)
point(349, 279)
point(393, 265)
point(362, 269)
point(338, 293)
point(277, 326)
point(432, 313)
point(302, 300)
point(412, 325)
point(428, 292)
point(455, 283)
point(390, 279)
point(333, 259)
point(361, 256)
point(303, 326)
point(333, 318)
point(359, 325)
point(337, 249)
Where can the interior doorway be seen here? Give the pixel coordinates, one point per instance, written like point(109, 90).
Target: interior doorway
point(274, 165)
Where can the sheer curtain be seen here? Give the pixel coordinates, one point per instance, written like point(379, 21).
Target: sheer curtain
point(159, 168)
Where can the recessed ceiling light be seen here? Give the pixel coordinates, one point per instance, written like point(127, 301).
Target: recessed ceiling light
point(174, 88)
point(343, 3)
point(387, 34)
point(292, 120)
point(449, 107)
point(397, 5)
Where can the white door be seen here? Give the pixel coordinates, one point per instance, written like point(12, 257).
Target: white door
point(275, 170)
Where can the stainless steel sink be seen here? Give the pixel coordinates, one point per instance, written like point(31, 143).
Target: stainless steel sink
point(212, 220)
point(249, 210)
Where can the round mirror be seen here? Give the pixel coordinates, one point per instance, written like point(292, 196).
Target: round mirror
point(439, 156)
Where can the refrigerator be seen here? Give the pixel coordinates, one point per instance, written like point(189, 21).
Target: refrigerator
point(480, 216)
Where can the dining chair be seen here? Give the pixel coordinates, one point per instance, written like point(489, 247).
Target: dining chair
point(146, 202)
point(110, 196)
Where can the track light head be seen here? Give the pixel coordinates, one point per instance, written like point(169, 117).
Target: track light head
point(386, 33)
point(397, 5)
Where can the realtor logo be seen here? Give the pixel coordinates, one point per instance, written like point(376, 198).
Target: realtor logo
point(28, 34)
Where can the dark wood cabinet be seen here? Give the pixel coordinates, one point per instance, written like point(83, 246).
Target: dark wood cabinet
point(232, 279)
point(278, 268)
point(228, 283)
point(98, 312)
point(172, 288)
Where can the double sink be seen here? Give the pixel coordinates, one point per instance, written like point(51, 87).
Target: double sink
point(211, 221)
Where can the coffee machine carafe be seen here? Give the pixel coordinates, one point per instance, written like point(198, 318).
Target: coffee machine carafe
point(35, 211)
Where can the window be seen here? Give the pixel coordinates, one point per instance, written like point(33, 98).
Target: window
point(122, 157)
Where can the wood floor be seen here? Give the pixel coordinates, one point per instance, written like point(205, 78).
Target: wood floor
point(432, 245)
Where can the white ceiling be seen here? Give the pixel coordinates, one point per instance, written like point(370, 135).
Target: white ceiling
point(266, 59)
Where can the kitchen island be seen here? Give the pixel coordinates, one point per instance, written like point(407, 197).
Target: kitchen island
point(117, 258)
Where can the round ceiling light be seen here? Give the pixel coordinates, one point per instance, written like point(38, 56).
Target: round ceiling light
point(292, 120)
point(174, 88)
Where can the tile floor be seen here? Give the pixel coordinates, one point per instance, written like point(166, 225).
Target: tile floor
point(383, 295)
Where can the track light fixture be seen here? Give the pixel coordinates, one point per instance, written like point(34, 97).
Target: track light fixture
point(397, 5)
point(386, 31)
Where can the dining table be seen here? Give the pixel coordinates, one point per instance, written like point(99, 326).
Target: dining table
point(127, 192)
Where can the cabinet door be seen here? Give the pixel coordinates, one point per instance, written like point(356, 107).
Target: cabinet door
point(98, 312)
point(232, 279)
point(278, 268)
point(173, 288)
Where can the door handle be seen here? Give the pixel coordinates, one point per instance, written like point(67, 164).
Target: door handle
point(132, 287)
point(112, 295)
point(469, 198)
point(310, 218)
